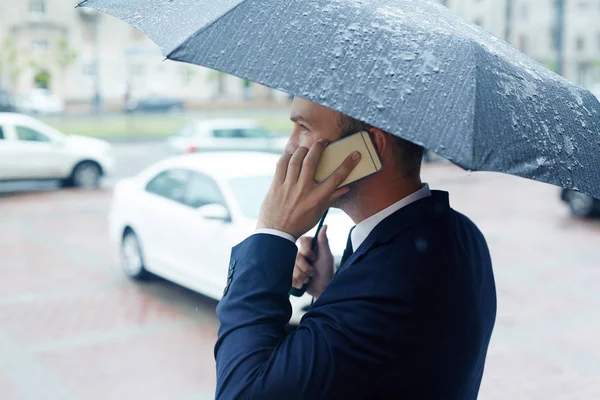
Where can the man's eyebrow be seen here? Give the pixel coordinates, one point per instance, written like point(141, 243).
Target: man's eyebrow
point(298, 118)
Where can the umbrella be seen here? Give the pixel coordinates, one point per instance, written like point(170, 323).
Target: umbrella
point(409, 67)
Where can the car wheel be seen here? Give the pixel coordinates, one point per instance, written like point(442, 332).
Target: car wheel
point(86, 175)
point(581, 205)
point(132, 260)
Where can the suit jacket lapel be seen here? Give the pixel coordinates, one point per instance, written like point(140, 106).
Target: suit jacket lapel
point(420, 211)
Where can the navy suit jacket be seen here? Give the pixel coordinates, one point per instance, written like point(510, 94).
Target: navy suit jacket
point(408, 316)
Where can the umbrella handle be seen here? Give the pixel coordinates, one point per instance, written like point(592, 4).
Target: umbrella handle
point(313, 244)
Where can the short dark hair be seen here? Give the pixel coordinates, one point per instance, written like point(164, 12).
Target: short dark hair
point(408, 155)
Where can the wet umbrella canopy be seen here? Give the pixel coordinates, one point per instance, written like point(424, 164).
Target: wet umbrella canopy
point(409, 67)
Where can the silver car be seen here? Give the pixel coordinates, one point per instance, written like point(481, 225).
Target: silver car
point(225, 135)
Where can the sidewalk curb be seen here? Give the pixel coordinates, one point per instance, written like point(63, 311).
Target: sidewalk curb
point(135, 139)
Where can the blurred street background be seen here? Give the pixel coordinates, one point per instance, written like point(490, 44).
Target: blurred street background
point(73, 326)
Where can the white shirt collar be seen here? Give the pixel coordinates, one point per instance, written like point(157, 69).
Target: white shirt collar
point(364, 228)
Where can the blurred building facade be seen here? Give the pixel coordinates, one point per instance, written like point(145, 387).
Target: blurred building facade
point(534, 33)
point(489, 14)
point(530, 26)
point(52, 43)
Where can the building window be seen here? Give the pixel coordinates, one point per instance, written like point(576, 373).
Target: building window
point(585, 74)
point(583, 6)
point(37, 7)
point(580, 44)
point(40, 46)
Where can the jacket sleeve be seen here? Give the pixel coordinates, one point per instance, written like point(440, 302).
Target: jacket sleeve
point(340, 346)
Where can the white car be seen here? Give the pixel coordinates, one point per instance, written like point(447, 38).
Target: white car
point(40, 101)
point(180, 218)
point(225, 135)
point(31, 149)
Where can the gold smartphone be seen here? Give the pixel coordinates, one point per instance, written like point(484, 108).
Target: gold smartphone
point(336, 152)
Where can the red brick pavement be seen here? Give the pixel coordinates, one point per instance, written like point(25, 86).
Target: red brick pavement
point(161, 365)
point(95, 311)
point(72, 327)
point(71, 323)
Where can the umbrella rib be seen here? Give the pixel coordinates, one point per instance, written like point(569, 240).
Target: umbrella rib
point(232, 40)
point(241, 65)
point(465, 61)
point(474, 105)
point(197, 55)
point(291, 63)
point(356, 81)
point(284, 50)
point(416, 111)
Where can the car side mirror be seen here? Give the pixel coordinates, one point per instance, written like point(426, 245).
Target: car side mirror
point(215, 212)
point(59, 142)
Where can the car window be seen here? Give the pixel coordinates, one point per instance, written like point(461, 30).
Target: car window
point(202, 190)
point(30, 135)
point(227, 133)
point(249, 193)
point(170, 184)
point(254, 133)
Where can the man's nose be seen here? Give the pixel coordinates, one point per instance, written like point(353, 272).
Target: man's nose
point(292, 144)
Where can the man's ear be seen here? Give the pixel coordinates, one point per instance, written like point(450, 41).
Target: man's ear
point(380, 139)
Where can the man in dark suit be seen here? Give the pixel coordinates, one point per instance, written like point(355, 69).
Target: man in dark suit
point(409, 313)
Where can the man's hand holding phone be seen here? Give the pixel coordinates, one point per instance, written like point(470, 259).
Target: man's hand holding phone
point(295, 201)
point(322, 269)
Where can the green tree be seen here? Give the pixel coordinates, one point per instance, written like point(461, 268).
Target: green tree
point(12, 61)
point(65, 54)
point(214, 75)
point(43, 79)
point(188, 73)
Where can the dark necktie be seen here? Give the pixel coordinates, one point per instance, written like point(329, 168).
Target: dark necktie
point(348, 251)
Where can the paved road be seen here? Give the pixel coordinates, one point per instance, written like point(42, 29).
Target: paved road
point(133, 157)
point(72, 327)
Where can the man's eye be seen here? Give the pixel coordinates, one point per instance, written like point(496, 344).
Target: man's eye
point(303, 127)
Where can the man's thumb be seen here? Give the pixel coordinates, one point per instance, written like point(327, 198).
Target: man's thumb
point(322, 240)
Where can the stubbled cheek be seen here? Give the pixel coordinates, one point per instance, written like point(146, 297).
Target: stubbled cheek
point(294, 143)
point(300, 139)
point(307, 141)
